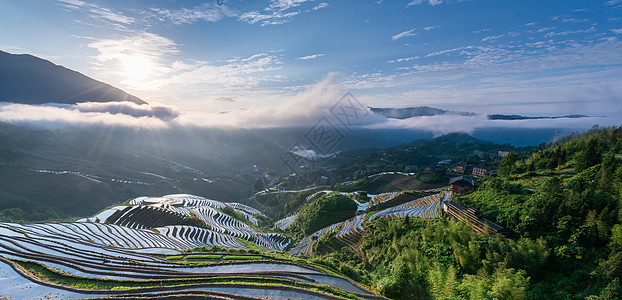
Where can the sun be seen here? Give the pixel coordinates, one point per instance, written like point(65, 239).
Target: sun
point(136, 68)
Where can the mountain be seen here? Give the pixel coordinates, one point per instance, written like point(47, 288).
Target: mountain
point(519, 117)
point(419, 111)
point(31, 80)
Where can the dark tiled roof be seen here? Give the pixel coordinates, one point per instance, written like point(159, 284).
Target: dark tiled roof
point(464, 179)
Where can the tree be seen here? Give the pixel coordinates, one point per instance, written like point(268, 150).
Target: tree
point(589, 156)
point(507, 166)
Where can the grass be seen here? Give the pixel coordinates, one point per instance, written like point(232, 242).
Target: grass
point(173, 257)
point(242, 257)
point(51, 275)
point(203, 256)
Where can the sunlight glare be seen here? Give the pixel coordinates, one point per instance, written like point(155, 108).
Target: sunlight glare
point(137, 68)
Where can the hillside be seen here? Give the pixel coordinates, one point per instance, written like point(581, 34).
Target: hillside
point(51, 175)
point(170, 247)
point(420, 154)
point(561, 206)
point(31, 80)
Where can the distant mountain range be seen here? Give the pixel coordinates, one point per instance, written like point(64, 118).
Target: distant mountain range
point(426, 111)
point(419, 111)
point(519, 117)
point(31, 80)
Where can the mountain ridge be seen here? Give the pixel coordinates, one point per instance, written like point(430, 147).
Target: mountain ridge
point(28, 79)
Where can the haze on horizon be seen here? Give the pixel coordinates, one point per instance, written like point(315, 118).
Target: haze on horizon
point(281, 62)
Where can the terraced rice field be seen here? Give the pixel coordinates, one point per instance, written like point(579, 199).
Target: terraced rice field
point(420, 208)
point(381, 198)
point(124, 250)
point(351, 231)
point(165, 214)
point(285, 222)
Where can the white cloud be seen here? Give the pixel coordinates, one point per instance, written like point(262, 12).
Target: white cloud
point(569, 19)
point(321, 5)
point(304, 108)
point(208, 12)
point(276, 13)
point(569, 32)
point(286, 4)
point(443, 124)
point(60, 116)
point(492, 37)
point(129, 109)
point(403, 34)
point(404, 59)
point(303, 151)
point(137, 58)
point(106, 15)
point(310, 56)
point(470, 76)
point(613, 2)
point(245, 72)
point(619, 30)
point(430, 2)
point(269, 18)
point(225, 99)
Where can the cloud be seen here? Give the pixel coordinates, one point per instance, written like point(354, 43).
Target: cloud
point(404, 59)
point(430, 2)
point(492, 37)
point(225, 99)
point(613, 2)
point(403, 34)
point(86, 114)
point(110, 17)
point(569, 32)
point(129, 109)
point(303, 151)
point(313, 106)
point(276, 13)
point(619, 30)
point(240, 72)
point(208, 12)
point(443, 124)
point(138, 58)
point(569, 19)
point(321, 5)
point(304, 108)
point(310, 56)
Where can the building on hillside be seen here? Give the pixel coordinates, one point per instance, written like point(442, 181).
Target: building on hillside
point(444, 163)
point(503, 153)
point(460, 185)
point(459, 168)
point(410, 168)
point(481, 172)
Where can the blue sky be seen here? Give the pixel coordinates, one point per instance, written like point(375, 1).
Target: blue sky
point(487, 56)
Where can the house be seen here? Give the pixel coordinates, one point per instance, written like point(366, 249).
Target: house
point(503, 153)
point(460, 185)
point(444, 162)
point(459, 168)
point(410, 168)
point(481, 172)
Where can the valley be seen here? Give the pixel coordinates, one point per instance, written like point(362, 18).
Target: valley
point(385, 234)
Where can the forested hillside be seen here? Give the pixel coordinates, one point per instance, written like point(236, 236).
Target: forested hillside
point(561, 205)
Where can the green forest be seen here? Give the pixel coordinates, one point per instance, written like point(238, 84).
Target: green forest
point(561, 204)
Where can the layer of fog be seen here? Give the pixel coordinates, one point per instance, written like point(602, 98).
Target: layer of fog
point(323, 104)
